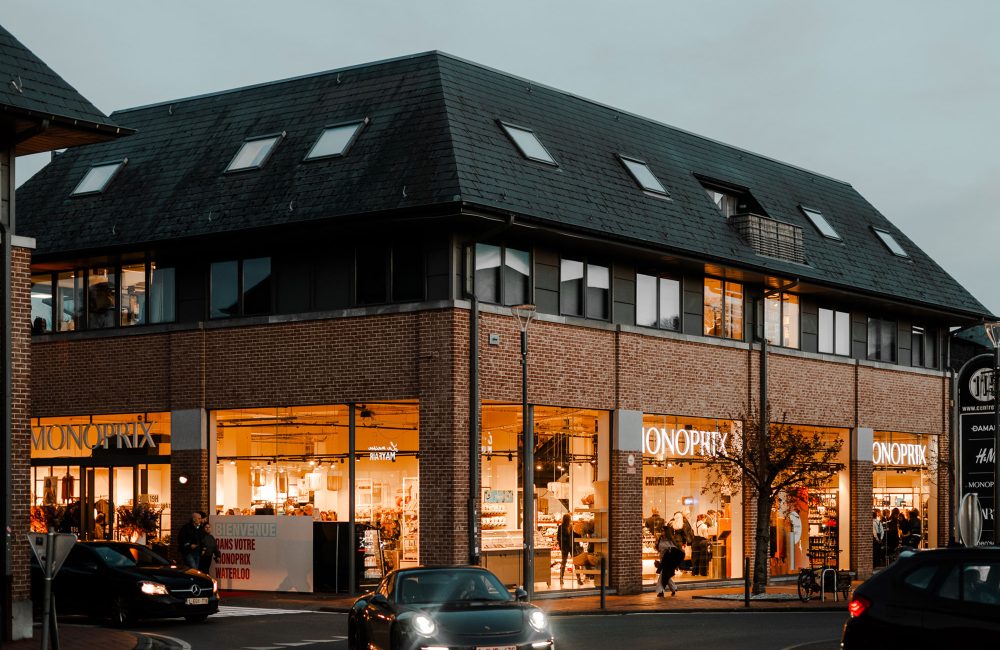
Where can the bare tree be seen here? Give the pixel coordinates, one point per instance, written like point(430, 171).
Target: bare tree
point(769, 460)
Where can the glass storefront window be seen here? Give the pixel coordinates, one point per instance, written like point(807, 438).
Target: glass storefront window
point(570, 481)
point(41, 303)
point(904, 482)
point(123, 460)
point(678, 497)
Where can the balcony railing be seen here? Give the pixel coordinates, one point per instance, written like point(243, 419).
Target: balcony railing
point(770, 237)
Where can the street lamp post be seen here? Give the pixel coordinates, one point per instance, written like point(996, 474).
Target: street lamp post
point(993, 332)
point(524, 315)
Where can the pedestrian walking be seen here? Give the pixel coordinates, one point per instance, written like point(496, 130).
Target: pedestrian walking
point(209, 549)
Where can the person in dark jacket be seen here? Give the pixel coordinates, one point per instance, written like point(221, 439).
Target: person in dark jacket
point(904, 527)
point(915, 534)
point(209, 549)
point(189, 540)
point(892, 533)
point(564, 537)
point(670, 559)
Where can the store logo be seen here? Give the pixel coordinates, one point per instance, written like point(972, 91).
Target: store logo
point(127, 435)
point(985, 455)
point(683, 442)
point(383, 452)
point(981, 384)
point(897, 453)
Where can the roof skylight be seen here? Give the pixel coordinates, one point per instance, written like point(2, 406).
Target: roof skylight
point(644, 176)
point(98, 177)
point(822, 225)
point(528, 144)
point(890, 242)
point(336, 140)
point(254, 153)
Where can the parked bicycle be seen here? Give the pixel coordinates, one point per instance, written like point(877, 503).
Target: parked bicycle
point(810, 584)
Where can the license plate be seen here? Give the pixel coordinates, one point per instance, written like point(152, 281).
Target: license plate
point(496, 647)
point(196, 601)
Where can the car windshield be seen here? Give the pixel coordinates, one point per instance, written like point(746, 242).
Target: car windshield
point(128, 556)
point(450, 586)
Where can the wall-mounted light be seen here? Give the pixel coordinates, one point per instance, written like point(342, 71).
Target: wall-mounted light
point(182, 479)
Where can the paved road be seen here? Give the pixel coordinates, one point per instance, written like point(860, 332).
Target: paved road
point(279, 629)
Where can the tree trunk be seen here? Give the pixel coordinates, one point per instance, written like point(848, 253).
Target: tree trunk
point(763, 545)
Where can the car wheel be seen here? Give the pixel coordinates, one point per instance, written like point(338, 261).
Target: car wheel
point(196, 618)
point(356, 638)
point(121, 614)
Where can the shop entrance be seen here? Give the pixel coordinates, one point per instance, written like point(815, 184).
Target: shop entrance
point(903, 486)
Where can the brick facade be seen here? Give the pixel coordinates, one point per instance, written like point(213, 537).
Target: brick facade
point(862, 548)
point(423, 355)
point(20, 434)
point(189, 497)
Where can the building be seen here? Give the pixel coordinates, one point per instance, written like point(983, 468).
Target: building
point(39, 112)
point(299, 293)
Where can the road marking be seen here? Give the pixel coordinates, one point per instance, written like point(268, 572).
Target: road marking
point(229, 610)
point(181, 643)
point(810, 643)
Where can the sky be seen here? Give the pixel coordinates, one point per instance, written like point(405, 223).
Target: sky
point(900, 98)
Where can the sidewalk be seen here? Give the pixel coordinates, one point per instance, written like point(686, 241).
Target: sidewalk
point(82, 637)
point(779, 597)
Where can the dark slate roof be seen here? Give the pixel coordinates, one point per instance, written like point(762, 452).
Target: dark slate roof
point(433, 140)
point(31, 90)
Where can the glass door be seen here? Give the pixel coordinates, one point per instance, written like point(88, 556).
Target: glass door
point(98, 512)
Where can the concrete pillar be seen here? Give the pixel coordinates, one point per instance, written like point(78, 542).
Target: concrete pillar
point(192, 469)
point(625, 530)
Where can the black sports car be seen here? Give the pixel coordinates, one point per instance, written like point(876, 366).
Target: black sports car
point(941, 598)
point(446, 608)
point(125, 582)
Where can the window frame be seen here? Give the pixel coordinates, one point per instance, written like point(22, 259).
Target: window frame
point(726, 334)
point(119, 166)
point(928, 347)
point(833, 320)
point(890, 243)
point(819, 221)
point(361, 125)
point(506, 128)
point(658, 277)
point(659, 192)
point(879, 354)
point(504, 300)
point(584, 300)
point(780, 296)
point(240, 289)
point(277, 137)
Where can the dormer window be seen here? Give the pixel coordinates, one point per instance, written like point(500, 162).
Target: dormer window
point(890, 243)
point(644, 176)
point(528, 144)
point(820, 222)
point(254, 153)
point(98, 177)
point(335, 140)
point(729, 199)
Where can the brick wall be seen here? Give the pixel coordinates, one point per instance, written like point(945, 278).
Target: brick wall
point(625, 528)
point(189, 497)
point(20, 435)
point(862, 550)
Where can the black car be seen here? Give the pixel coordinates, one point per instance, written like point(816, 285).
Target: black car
point(125, 582)
point(446, 608)
point(940, 598)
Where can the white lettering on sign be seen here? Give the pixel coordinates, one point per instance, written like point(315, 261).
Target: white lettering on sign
point(898, 453)
point(683, 442)
point(124, 435)
point(383, 452)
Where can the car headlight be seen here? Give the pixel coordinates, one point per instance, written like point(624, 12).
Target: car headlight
point(537, 620)
point(424, 625)
point(215, 586)
point(153, 588)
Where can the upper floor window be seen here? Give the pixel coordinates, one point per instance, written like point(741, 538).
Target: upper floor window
point(723, 309)
point(385, 273)
point(730, 200)
point(240, 287)
point(923, 347)
point(502, 275)
point(658, 302)
point(818, 220)
point(644, 176)
point(781, 319)
point(584, 289)
point(834, 332)
point(98, 177)
point(528, 144)
point(102, 297)
point(336, 140)
point(881, 340)
point(254, 153)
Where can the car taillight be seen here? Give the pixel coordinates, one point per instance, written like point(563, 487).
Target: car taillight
point(859, 605)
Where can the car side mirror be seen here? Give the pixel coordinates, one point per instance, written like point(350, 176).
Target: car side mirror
point(380, 600)
point(521, 595)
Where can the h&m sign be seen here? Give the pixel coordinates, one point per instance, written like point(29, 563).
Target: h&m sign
point(124, 435)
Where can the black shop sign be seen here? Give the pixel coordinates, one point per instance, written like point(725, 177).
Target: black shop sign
point(976, 424)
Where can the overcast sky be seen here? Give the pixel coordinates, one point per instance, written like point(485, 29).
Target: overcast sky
point(901, 98)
